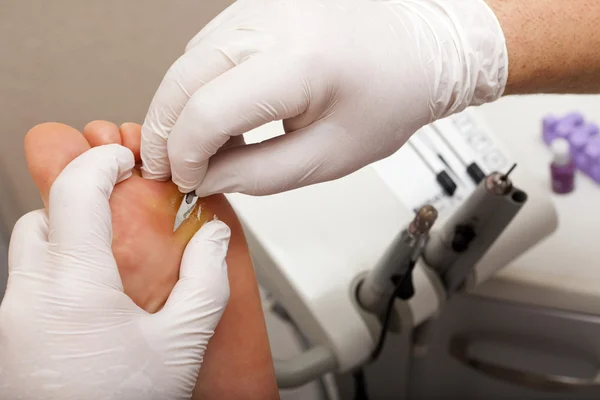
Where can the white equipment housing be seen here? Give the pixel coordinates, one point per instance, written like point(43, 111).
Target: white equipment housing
point(310, 244)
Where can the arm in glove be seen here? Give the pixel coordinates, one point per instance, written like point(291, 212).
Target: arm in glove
point(67, 330)
point(352, 80)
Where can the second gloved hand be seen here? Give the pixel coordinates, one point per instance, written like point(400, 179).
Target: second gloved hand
point(67, 329)
point(351, 79)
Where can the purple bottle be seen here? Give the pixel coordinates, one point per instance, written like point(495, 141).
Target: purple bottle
point(562, 168)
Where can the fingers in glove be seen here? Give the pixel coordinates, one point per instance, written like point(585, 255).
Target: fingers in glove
point(79, 211)
point(189, 73)
point(198, 300)
point(260, 90)
point(319, 153)
point(29, 240)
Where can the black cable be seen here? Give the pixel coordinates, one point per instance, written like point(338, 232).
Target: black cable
point(360, 384)
point(388, 312)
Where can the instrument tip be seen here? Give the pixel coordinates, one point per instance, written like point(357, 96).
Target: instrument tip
point(185, 209)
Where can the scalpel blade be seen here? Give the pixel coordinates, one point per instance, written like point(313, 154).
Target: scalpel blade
point(185, 209)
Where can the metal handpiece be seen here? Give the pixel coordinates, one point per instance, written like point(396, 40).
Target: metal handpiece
point(185, 209)
point(419, 228)
point(395, 264)
point(455, 249)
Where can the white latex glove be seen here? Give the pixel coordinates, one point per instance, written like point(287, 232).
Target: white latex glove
point(67, 330)
point(352, 80)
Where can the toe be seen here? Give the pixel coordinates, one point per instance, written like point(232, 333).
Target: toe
point(131, 136)
point(49, 147)
point(99, 133)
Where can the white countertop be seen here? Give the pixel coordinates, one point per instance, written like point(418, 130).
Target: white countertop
point(564, 270)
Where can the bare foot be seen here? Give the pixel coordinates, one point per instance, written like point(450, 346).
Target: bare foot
point(148, 253)
point(237, 363)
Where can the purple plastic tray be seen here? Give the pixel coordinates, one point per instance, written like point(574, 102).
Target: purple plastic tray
point(582, 136)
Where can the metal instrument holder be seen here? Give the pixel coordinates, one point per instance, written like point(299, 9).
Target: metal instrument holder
point(452, 252)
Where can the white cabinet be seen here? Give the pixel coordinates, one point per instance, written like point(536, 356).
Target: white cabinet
point(487, 349)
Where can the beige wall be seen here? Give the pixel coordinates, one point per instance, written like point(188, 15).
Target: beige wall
point(73, 61)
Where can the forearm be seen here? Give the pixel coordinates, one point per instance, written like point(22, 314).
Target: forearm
point(238, 363)
point(553, 45)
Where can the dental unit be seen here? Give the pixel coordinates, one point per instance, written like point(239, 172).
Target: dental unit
point(385, 248)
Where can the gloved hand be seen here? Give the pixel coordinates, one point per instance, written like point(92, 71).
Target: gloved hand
point(67, 330)
point(351, 79)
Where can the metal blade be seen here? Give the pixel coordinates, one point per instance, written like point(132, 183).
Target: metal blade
point(185, 209)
